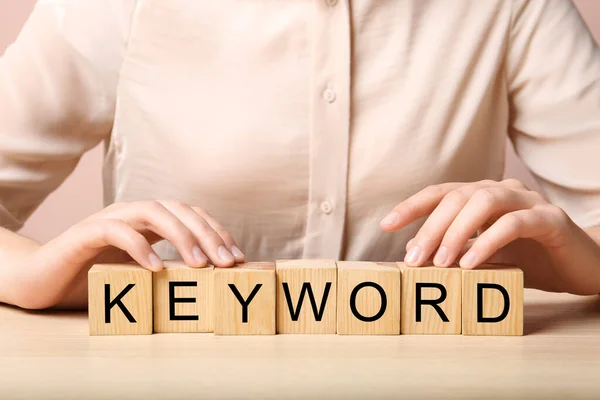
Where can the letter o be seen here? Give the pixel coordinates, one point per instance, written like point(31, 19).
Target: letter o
point(382, 309)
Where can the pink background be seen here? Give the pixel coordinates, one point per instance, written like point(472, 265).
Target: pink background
point(81, 193)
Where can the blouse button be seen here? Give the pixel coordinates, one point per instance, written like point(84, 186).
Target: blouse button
point(329, 95)
point(326, 207)
point(331, 3)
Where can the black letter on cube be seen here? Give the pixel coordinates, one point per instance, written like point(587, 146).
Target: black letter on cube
point(173, 300)
point(379, 313)
point(503, 314)
point(108, 305)
point(433, 303)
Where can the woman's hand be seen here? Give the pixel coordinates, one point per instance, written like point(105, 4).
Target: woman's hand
point(55, 273)
point(515, 225)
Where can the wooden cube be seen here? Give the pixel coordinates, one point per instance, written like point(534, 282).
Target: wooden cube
point(183, 298)
point(306, 296)
point(368, 300)
point(492, 301)
point(120, 300)
point(431, 300)
point(245, 299)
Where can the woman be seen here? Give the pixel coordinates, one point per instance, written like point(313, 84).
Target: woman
point(299, 126)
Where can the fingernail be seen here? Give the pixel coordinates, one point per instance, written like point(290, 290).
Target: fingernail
point(410, 244)
point(413, 255)
point(198, 256)
point(469, 260)
point(441, 257)
point(391, 219)
point(225, 255)
point(155, 262)
point(237, 253)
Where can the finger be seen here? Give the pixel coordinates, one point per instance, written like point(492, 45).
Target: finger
point(63, 259)
point(211, 243)
point(424, 202)
point(154, 217)
point(514, 184)
point(410, 244)
point(529, 223)
point(224, 233)
point(431, 233)
point(499, 257)
point(466, 247)
point(417, 206)
point(89, 239)
point(484, 205)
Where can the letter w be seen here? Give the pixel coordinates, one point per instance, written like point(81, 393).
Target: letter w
point(306, 287)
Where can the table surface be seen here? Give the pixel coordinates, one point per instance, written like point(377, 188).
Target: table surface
point(50, 356)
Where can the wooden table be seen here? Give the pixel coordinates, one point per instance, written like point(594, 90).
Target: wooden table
point(51, 356)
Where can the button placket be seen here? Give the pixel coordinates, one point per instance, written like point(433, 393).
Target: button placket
point(329, 130)
point(117, 144)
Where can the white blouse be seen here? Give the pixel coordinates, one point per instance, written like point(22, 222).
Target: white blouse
point(299, 124)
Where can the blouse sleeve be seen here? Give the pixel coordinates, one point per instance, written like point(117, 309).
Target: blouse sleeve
point(57, 97)
point(553, 75)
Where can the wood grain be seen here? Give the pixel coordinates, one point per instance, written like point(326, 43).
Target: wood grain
point(368, 300)
point(431, 321)
point(294, 274)
point(228, 314)
point(137, 300)
point(49, 355)
point(511, 279)
point(178, 273)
